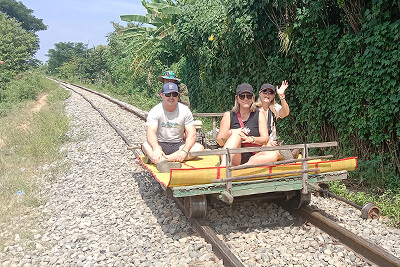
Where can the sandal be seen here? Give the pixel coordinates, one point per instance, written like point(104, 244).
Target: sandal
point(286, 154)
point(165, 166)
point(295, 153)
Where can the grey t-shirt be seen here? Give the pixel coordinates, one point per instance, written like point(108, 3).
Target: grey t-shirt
point(170, 125)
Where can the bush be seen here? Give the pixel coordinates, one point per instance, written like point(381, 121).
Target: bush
point(24, 86)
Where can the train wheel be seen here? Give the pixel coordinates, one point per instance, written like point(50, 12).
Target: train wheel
point(324, 190)
point(299, 199)
point(196, 206)
point(370, 211)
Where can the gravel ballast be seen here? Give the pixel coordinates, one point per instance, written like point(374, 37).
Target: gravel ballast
point(105, 210)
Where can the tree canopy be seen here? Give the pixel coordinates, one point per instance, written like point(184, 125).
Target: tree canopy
point(17, 46)
point(22, 14)
point(62, 53)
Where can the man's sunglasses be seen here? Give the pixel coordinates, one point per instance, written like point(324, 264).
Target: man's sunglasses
point(174, 94)
point(268, 92)
point(242, 96)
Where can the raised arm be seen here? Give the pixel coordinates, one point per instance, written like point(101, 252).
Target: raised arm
point(281, 93)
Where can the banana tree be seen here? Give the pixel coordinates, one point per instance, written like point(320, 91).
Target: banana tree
point(161, 18)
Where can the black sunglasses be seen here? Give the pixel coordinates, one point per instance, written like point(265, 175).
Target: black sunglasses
point(242, 96)
point(174, 94)
point(268, 92)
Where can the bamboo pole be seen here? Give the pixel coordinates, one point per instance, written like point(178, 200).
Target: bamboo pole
point(262, 175)
point(259, 149)
point(279, 162)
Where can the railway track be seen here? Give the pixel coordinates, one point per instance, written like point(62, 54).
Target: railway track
point(369, 251)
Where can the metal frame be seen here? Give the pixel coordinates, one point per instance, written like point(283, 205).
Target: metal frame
point(257, 187)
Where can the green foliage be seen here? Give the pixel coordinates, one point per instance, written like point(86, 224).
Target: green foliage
point(89, 67)
point(347, 89)
point(341, 59)
point(222, 49)
point(22, 87)
point(143, 40)
point(17, 46)
point(343, 78)
point(22, 14)
point(62, 53)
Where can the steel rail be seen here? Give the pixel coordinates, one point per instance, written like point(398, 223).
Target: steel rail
point(361, 246)
point(127, 142)
point(220, 249)
point(140, 115)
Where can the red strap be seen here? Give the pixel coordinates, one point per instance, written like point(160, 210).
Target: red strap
point(239, 116)
point(250, 145)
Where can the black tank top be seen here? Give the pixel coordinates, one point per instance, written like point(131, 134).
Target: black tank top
point(251, 123)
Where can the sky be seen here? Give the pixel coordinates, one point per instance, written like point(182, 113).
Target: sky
point(84, 21)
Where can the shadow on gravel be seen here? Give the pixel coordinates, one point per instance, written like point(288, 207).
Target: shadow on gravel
point(243, 215)
point(172, 221)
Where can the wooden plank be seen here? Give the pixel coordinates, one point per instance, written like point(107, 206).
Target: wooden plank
point(208, 114)
point(214, 128)
point(258, 187)
point(279, 186)
point(259, 149)
point(304, 167)
point(228, 179)
point(240, 167)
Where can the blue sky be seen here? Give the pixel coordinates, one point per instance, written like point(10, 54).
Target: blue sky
point(85, 21)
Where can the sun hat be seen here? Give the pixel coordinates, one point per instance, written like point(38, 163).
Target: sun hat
point(169, 74)
point(169, 88)
point(267, 86)
point(244, 87)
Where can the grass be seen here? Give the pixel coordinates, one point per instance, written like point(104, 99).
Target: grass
point(28, 141)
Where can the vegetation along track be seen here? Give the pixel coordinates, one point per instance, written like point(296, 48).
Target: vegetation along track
point(262, 233)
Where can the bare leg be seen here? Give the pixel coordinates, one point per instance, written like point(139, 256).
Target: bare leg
point(264, 157)
point(148, 151)
point(196, 147)
point(234, 141)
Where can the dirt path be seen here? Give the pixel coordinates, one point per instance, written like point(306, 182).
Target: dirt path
point(40, 103)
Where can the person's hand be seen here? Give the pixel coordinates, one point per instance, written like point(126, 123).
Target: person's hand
point(158, 155)
point(247, 139)
point(272, 143)
point(281, 90)
point(179, 155)
point(244, 135)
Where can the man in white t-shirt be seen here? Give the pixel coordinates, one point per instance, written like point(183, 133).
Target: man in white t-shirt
point(167, 123)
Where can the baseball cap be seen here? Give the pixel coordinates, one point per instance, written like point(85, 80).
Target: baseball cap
point(267, 86)
point(169, 88)
point(244, 87)
point(169, 74)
